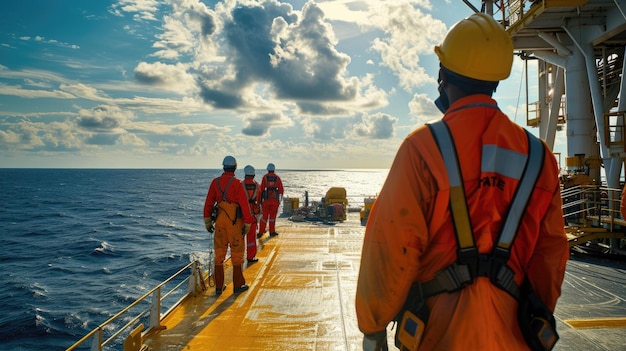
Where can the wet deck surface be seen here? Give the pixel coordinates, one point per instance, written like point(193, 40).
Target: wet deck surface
point(591, 313)
point(302, 291)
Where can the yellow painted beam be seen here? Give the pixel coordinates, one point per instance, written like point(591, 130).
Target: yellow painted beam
point(597, 323)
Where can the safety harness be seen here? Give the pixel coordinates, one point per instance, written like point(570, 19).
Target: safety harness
point(251, 192)
point(219, 187)
point(470, 264)
point(270, 189)
point(230, 209)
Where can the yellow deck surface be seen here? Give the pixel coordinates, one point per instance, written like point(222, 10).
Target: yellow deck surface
point(302, 292)
point(301, 296)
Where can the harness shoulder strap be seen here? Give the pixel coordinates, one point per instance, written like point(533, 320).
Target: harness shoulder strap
point(219, 187)
point(467, 252)
point(499, 272)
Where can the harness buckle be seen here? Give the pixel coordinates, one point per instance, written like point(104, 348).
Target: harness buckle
point(468, 257)
point(504, 280)
point(504, 277)
point(454, 277)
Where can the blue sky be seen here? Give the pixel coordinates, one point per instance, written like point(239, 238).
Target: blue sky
point(182, 83)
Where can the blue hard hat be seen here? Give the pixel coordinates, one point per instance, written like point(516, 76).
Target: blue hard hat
point(248, 170)
point(271, 167)
point(229, 161)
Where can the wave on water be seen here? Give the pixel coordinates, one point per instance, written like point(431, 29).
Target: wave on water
point(105, 249)
point(166, 223)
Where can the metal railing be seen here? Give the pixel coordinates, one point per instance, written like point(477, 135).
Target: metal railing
point(153, 312)
point(592, 205)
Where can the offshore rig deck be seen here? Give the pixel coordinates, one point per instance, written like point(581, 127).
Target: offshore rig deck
point(301, 297)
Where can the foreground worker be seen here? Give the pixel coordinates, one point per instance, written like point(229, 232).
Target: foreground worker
point(271, 195)
point(253, 194)
point(232, 222)
point(410, 237)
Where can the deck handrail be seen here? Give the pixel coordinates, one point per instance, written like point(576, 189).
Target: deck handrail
point(154, 310)
point(592, 202)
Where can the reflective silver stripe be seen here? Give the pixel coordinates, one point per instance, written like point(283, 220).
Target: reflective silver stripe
point(523, 192)
point(502, 161)
point(448, 152)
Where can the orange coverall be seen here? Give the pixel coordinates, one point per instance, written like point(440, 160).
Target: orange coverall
point(271, 190)
point(253, 193)
point(410, 234)
point(227, 232)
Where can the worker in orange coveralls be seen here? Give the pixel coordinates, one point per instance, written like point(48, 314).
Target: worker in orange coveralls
point(271, 195)
point(253, 193)
point(232, 222)
point(410, 235)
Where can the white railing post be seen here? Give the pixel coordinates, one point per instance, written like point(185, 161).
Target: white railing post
point(193, 279)
point(96, 342)
point(155, 309)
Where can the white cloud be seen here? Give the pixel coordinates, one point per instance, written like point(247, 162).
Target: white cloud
point(42, 39)
point(83, 91)
point(40, 136)
point(376, 126)
point(141, 9)
point(259, 124)
point(103, 119)
point(176, 39)
point(411, 33)
point(187, 129)
point(174, 78)
point(365, 13)
point(9, 137)
point(423, 109)
point(130, 139)
point(16, 90)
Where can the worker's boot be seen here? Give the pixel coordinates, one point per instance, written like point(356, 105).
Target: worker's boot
point(219, 279)
point(239, 282)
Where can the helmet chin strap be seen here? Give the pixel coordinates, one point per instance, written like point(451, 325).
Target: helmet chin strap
point(442, 102)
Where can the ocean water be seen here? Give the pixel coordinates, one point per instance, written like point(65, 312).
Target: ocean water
point(79, 245)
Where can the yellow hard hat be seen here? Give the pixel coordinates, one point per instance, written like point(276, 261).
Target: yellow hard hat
point(477, 47)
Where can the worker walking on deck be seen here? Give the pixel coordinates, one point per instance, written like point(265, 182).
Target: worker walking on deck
point(418, 230)
point(253, 194)
point(271, 195)
point(232, 222)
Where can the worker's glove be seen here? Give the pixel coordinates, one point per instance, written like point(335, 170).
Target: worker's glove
point(208, 223)
point(246, 228)
point(375, 342)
